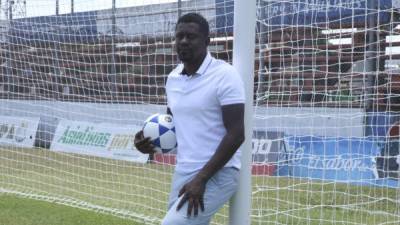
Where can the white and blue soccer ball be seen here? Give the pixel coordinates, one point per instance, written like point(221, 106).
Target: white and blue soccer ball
point(161, 130)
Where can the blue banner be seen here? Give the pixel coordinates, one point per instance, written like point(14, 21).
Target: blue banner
point(351, 160)
point(278, 14)
point(76, 27)
point(379, 123)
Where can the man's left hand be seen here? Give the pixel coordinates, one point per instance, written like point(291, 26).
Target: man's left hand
point(193, 193)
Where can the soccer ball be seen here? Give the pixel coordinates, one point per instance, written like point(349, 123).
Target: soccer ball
point(161, 130)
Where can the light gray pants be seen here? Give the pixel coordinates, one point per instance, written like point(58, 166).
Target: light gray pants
point(219, 190)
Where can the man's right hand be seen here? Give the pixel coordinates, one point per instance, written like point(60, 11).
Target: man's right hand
point(143, 144)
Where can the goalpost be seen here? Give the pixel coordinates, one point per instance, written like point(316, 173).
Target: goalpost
point(243, 61)
point(322, 129)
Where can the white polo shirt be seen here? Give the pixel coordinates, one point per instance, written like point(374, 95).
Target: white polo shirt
point(195, 102)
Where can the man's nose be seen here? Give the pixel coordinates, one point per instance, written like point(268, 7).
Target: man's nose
point(184, 39)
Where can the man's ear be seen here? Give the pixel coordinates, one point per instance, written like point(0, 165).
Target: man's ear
point(208, 41)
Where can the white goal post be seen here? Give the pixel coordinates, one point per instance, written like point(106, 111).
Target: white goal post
point(243, 61)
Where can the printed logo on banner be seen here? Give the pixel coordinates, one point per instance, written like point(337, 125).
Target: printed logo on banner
point(102, 140)
point(331, 158)
point(18, 131)
point(121, 141)
point(84, 136)
point(349, 160)
point(13, 132)
point(266, 146)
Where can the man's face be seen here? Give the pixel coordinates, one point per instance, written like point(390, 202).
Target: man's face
point(190, 43)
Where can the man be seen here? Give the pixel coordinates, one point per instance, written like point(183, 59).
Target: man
point(206, 99)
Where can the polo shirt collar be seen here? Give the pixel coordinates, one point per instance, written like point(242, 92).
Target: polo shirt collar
point(203, 67)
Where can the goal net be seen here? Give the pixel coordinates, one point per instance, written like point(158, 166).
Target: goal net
point(78, 80)
point(325, 113)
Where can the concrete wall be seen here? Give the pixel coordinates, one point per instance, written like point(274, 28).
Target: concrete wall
point(331, 122)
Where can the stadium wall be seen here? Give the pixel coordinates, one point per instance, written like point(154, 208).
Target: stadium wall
point(54, 29)
point(307, 153)
point(307, 12)
point(308, 121)
point(150, 20)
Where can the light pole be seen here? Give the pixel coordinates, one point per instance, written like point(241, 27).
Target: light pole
point(57, 7)
point(179, 8)
point(113, 33)
point(10, 9)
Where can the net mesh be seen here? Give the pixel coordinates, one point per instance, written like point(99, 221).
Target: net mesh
point(75, 87)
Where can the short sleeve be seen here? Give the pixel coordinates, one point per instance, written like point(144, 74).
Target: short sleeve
point(231, 87)
point(170, 79)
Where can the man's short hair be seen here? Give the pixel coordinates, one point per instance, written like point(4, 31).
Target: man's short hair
point(195, 18)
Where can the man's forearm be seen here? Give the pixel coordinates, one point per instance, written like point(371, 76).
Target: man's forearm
point(226, 149)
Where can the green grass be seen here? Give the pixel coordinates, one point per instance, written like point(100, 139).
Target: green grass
point(139, 192)
point(22, 211)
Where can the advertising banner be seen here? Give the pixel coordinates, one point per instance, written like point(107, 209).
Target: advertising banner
point(266, 148)
point(378, 123)
point(18, 131)
point(277, 13)
point(97, 139)
point(131, 21)
point(349, 160)
point(76, 27)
